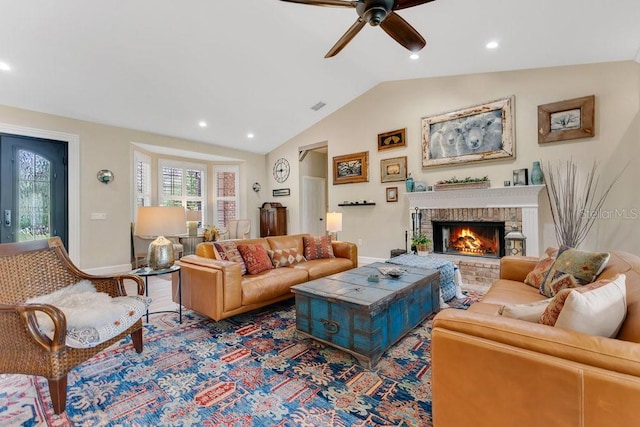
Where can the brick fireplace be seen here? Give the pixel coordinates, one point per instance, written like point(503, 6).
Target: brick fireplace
point(501, 207)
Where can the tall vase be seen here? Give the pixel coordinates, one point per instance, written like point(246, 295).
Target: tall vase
point(409, 184)
point(536, 174)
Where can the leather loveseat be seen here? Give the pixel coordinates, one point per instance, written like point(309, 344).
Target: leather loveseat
point(489, 370)
point(218, 290)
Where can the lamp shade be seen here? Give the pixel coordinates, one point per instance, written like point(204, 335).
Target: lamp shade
point(334, 221)
point(160, 221)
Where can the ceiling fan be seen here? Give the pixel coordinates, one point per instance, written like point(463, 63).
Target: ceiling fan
point(375, 12)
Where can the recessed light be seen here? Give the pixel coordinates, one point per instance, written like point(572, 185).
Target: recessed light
point(4, 66)
point(250, 135)
point(492, 45)
point(414, 56)
point(202, 124)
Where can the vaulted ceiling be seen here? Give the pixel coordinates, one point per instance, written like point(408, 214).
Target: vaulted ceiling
point(257, 66)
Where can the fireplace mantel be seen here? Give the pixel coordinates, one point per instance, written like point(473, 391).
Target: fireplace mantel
point(519, 196)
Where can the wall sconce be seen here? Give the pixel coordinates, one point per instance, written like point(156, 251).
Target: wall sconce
point(334, 222)
point(105, 176)
point(515, 242)
point(256, 186)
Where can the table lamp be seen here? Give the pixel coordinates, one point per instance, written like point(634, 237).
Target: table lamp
point(334, 222)
point(158, 221)
point(193, 217)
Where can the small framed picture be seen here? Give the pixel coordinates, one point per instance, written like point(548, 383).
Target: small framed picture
point(392, 194)
point(281, 192)
point(393, 139)
point(521, 177)
point(565, 120)
point(394, 169)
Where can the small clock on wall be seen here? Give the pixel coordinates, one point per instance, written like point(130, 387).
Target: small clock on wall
point(281, 170)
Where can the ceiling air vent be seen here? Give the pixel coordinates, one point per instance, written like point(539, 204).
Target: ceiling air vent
point(318, 106)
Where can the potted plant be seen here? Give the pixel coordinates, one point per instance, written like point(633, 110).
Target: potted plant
point(421, 243)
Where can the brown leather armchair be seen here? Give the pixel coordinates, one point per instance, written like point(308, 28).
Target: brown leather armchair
point(36, 268)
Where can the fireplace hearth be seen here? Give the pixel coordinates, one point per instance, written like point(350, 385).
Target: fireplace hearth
point(471, 238)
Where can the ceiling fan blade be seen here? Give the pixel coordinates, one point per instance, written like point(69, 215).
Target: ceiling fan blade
point(346, 38)
point(333, 3)
point(402, 32)
point(404, 4)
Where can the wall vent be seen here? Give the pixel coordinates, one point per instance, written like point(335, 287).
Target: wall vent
point(318, 106)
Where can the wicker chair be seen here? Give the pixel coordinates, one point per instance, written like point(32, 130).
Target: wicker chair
point(36, 268)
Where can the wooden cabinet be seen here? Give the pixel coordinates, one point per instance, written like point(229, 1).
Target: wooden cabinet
point(273, 219)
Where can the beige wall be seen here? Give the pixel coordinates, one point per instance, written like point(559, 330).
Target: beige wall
point(105, 244)
point(394, 105)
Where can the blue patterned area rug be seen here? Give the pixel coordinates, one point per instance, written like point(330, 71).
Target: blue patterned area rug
point(250, 370)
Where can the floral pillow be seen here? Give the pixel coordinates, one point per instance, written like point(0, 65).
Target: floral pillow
point(256, 258)
point(228, 251)
point(536, 276)
point(317, 247)
point(573, 268)
point(284, 257)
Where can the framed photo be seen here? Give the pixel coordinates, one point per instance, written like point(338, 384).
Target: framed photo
point(281, 192)
point(564, 120)
point(392, 194)
point(521, 177)
point(351, 168)
point(480, 132)
point(394, 169)
point(393, 139)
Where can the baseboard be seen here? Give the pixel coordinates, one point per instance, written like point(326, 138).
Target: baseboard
point(110, 270)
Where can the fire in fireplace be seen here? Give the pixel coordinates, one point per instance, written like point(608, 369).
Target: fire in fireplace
point(485, 239)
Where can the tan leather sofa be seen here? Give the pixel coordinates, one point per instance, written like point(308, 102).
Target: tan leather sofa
point(217, 289)
point(488, 370)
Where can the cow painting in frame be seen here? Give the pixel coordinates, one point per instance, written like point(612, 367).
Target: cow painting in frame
point(480, 132)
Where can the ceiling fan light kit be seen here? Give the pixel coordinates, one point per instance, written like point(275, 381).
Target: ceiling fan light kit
point(375, 13)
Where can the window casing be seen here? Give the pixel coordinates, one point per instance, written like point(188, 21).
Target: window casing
point(182, 184)
point(226, 196)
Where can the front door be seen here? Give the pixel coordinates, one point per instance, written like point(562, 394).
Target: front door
point(33, 189)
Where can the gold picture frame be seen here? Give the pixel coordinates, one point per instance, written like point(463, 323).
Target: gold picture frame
point(392, 139)
point(393, 169)
point(476, 133)
point(351, 168)
point(565, 120)
point(392, 194)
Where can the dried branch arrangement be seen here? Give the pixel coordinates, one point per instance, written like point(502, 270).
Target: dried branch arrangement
point(574, 204)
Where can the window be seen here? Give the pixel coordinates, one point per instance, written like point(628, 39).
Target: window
point(142, 180)
point(182, 184)
point(226, 193)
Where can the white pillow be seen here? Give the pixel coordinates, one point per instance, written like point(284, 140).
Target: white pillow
point(92, 317)
point(82, 306)
point(600, 311)
point(528, 312)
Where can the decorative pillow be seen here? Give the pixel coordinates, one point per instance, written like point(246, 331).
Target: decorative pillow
point(256, 258)
point(550, 315)
point(536, 276)
point(317, 247)
point(228, 251)
point(284, 257)
point(599, 312)
point(92, 317)
point(528, 312)
point(573, 268)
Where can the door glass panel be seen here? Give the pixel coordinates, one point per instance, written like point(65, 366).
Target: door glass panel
point(34, 199)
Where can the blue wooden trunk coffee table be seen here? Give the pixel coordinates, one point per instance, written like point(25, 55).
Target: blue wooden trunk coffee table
point(365, 318)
